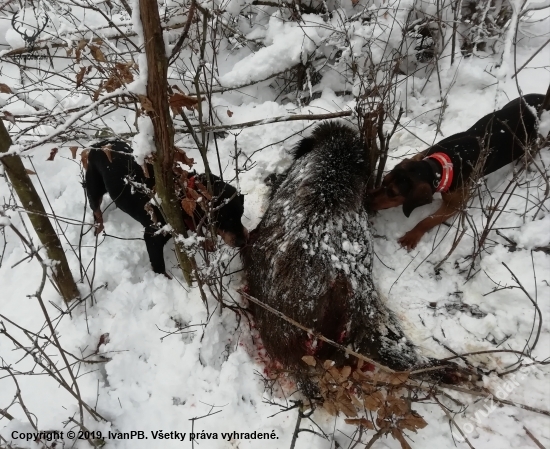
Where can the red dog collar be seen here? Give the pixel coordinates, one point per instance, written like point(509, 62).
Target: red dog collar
point(447, 171)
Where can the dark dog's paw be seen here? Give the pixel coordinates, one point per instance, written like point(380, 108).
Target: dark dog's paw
point(98, 228)
point(410, 239)
point(98, 222)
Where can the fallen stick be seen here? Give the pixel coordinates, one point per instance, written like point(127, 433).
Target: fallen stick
point(314, 333)
point(283, 118)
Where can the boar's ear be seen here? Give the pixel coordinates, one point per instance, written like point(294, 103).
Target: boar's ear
point(421, 195)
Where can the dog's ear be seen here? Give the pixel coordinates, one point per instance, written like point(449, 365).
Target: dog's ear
point(389, 178)
point(418, 157)
point(421, 195)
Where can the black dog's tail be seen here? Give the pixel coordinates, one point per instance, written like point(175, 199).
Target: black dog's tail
point(545, 106)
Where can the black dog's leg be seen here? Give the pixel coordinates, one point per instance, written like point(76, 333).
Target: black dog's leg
point(155, 246)
point(95, 189)
point(154, 242)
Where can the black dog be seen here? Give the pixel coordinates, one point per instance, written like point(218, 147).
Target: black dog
point(498, 138)
point(112, 174)
point(311, 258)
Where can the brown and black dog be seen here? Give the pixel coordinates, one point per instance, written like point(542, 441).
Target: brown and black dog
point(112, 174)
point(499, 138)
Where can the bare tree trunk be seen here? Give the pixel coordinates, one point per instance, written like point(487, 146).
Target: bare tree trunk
point(37, 215)
point(157, 91)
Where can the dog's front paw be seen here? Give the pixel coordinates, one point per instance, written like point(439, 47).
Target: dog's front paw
point(98, 228)
point(98, 222)
point(410, 239)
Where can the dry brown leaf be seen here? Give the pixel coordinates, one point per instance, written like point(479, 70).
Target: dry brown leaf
point(5, 89)
point(120, 75)
point(309, 360)
point(229, 113)
point(112, 84)
point(383, 424)
point(412, 421)
point(182, 177)
point(84, 158)
point(367, 387)
point(81, 44)
point(384, 413)
point(398, 435)
point(73, 151)
point(28, 171)
point(342, 394)
point(179, 100)
point(80, 76)
point(103, 340)
point(345, 372)
point(398, 378)
point(334, 373)
point(146, 103)
point(397, 406)
point(345, 406)
point(190, 193)
point(181, 156)
point(327, 364)
point(53, 152)
point(9, 117)
point(202, 189)
point(374, 401)
point(98, 91)
point(360, 422)
point(189, 205)
point(97, 53)
point(124, 73)
point(356, 402)
point(330, 407)
point(69, 51)
point(359, 376)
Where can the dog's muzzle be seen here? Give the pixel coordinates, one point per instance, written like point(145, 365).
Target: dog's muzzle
point(235, 240)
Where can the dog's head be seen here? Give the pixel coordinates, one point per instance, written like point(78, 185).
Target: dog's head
point(228, 207)
point(405, 185)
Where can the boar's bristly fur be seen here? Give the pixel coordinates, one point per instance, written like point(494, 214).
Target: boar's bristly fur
point(311, 258)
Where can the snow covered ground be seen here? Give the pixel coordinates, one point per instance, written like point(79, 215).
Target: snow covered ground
point(159, 382)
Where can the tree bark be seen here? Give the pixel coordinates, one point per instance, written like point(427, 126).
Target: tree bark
point(157, 92)
point(32, 203)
